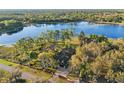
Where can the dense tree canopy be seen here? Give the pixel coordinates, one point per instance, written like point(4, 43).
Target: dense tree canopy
point(93, 59)
point(99, 62)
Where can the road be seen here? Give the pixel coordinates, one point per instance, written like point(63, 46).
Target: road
point(25, 75)
point(31, 76)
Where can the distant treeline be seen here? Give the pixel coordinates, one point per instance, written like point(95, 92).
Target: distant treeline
point(13, 19)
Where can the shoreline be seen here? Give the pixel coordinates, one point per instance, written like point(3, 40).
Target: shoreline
point(95, 22)
point(109, 23)
point(11, 45)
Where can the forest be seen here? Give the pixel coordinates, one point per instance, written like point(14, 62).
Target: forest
point(60, 56)
point(20, 18)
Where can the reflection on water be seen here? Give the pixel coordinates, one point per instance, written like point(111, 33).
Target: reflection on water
point(11, 32)
point(111, 31)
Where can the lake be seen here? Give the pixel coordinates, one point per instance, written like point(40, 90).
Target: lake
point(110, 31)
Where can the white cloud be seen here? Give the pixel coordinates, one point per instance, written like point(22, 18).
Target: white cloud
point(61, 4)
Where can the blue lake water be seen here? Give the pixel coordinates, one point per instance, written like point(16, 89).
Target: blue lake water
point(110, 31)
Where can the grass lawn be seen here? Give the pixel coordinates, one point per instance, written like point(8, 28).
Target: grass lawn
point(61, 80)
point(75, 41)
point(8, 63)
point(42, 74)
point(72, 77)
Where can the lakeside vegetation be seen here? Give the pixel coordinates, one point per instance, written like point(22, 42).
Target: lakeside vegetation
point(83, 58)
point(10, 26)
point(91, 59)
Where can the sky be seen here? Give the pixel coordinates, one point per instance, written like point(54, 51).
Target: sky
point(61, 4)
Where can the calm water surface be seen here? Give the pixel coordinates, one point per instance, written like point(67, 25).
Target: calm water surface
point(111, 31)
